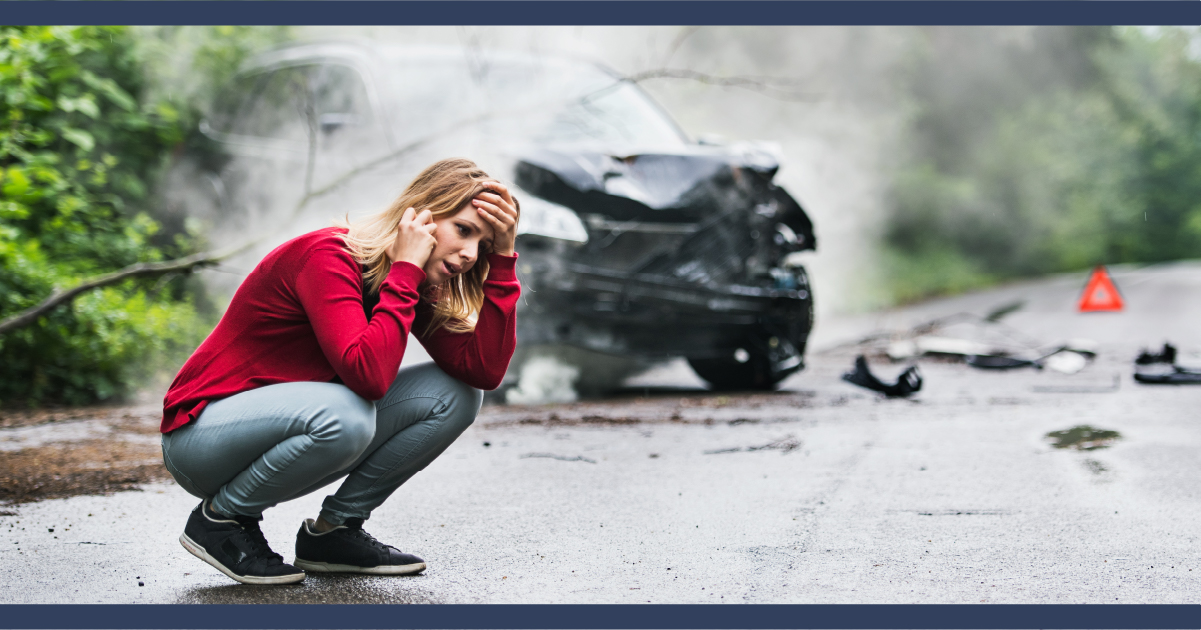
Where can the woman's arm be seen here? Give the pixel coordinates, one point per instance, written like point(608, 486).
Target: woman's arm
point(329, 285)
point(366, 356)
point(479, 358)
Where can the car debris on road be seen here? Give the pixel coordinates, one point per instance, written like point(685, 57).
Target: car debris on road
point(1166, 367)
point(1068, 359)
point(984, 342)
point(907, 383)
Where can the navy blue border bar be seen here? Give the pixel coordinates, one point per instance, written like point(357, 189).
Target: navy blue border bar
point(603, 12)
point(700, 617)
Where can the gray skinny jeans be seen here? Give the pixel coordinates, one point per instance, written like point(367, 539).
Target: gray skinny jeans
point(258, 448)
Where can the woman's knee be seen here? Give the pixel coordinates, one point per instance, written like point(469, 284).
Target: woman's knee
point(346, 420)
point(464, 411)
point(462, 406)
point(460, 401)
point(455, 404)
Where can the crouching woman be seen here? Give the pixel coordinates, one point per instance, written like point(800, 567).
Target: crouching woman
point(298, 385)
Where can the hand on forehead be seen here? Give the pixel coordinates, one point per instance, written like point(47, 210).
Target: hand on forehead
point(489, 195)
point(499, 210)
point(487, 232)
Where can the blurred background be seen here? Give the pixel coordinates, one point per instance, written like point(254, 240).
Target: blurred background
point(932, 161)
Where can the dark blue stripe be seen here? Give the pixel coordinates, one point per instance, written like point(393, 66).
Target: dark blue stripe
point(544, 12)
point(601, 616)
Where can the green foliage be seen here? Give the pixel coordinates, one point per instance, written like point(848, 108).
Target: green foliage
point(1092, 160)
point(1155, 90)
point(86, 130)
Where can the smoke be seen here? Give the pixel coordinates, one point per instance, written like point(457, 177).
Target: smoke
point(837, 145)
point(830, 106)
point(544, 380)
point(837, 120)
point(837, 100)
point(838, 117)
point(843, 118)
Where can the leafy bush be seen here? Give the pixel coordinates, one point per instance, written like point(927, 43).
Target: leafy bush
point(84, 136)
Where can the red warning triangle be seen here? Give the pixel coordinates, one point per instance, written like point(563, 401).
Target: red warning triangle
point(1100, 294)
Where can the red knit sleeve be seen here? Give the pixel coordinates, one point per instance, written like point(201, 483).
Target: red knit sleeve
point(480, 358)
point(366, 356)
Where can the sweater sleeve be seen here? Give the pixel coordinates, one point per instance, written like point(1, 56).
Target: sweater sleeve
point(366, 356)
point(481, 357)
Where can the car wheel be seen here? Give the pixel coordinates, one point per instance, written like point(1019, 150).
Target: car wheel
point(727, 373)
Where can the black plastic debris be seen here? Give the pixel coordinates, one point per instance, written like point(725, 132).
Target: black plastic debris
point(1167, 355)
point(1003, 362)
point(997, 362)
point(1179, 376)
point(1162, 368)
point(1068, 358)
point(907, 383)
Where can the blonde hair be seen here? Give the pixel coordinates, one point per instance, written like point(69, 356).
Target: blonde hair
point(442, 188)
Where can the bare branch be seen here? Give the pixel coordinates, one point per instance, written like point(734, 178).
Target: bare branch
point(684, 34)
point(397, 154)
point(139, 270)
point(782, 88)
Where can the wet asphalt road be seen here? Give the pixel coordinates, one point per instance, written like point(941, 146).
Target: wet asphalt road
point(819, 493)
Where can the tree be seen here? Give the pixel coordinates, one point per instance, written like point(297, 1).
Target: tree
point(83, 138)
point(1073, 147)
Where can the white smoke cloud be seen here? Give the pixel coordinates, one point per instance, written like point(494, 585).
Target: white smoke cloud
point(544, 379)
point(837, 142)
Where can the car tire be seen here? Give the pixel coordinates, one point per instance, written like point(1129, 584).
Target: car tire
point(727, 374)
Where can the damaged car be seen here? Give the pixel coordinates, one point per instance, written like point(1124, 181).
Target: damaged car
point(635, 241)
point(686, 254)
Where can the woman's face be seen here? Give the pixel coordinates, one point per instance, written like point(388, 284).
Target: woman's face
point(462, 238)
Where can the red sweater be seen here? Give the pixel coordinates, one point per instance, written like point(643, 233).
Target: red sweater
point(299, 317)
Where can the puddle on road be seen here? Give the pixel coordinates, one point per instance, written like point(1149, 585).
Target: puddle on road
point(1083, 438)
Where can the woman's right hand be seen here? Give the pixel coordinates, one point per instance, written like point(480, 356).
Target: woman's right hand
point(414, 238)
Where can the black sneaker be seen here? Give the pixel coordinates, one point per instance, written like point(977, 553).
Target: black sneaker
point(348, 549)
point(236, 547)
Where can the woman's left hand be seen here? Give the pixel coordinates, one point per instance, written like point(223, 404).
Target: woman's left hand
point(500, 210)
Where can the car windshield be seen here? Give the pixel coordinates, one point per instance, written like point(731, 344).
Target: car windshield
point(543, 101)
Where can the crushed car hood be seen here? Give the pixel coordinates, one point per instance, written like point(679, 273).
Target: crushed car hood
point(686, 185)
